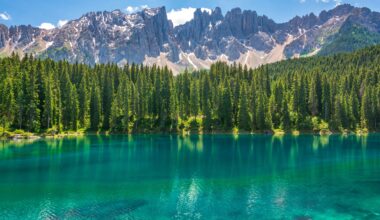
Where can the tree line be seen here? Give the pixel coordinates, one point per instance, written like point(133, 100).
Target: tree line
point(337, 92)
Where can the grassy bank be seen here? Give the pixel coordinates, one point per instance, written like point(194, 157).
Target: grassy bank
point(20, 134)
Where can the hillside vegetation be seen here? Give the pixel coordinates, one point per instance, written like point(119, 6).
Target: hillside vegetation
point(340, 92)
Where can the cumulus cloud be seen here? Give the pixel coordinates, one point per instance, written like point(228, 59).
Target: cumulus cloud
point(61, 23)
point(132, 9)
point(337, 2)
point(49, 26)
point(183, 15)
point(5, 16)
point(46, 26)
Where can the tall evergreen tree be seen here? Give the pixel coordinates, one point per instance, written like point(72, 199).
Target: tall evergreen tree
point(7, 103)
point(95, 109)
point(194, 99)
point(244, 117)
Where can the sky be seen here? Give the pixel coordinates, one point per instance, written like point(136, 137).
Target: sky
point(55, 13)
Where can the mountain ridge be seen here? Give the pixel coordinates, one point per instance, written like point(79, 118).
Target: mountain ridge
point(149, 37)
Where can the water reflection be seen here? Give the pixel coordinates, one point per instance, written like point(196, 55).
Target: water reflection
point(197, 176)
point(200, 155)
point(187, 155)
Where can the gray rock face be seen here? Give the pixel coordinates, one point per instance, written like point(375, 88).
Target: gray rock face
point(215, 35)
point(4, 35)
point(18, 36)
point(102, 37)
point(318, 31)
point(114, 36)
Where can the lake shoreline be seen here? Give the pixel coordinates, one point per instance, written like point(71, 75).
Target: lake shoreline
point(36, 136)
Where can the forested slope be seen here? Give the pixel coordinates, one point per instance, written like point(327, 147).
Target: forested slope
point(337, 92)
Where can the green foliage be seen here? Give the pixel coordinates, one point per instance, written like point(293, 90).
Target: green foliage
point(319, 125)
point(339, 92)
point(95, 109)
point(351, 37)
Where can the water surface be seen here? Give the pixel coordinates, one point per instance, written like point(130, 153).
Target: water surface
point(196, 177)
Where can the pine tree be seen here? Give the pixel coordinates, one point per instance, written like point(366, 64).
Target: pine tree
point(244, 117)
point(253, 106)
point(206, 103)
point(225, 107)
point(32, 102)
point(120, 109)
point(48, 103)
point(285, 119)
point(367, 114)
point(338, 112)
point(186, 92)
point(65, 87)
point(107, 100)
point(7, 103)
point(73, 102)
point(326, 99)
point(194, 99)
point(313, 97)
point(167, 108)
point(261, 117)
point(95, 109)
point(83, 101)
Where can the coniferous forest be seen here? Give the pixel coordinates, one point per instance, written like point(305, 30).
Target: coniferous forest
point(340, 92)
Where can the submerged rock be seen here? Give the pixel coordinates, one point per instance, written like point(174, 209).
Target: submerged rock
point(303, 217)
point(105, 210)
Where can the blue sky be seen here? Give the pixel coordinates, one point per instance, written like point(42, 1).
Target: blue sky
point(36, 12)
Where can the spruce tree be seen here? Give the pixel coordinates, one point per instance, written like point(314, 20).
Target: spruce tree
point(95, 109)
point(244, 117)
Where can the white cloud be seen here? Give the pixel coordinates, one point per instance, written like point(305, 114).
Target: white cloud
point(49, 26)
point(131, 9)
point(206, 10)
point(46, 26)
point(61, 23)
point(5, 16)
point(337, 2)
point(183, 15)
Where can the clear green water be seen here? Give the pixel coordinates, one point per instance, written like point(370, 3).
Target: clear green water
point(197, 177)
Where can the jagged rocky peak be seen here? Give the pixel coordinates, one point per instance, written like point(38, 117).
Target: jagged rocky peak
point(152, 12)
point(343, 9)
point(217, 14)
point(156, 19)
point(307, 21)
point(149, 37)
point(119, 18)
point(340, 10)
point(22, 35)
point(234, 18)
point(204, 17)
point(4, 35)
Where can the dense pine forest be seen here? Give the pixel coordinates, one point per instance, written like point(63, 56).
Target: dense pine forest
point(340, 92)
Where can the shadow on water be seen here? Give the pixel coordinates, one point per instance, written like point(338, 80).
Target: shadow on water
point(104, 210)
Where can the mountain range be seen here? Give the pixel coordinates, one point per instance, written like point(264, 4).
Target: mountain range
point(240, 36)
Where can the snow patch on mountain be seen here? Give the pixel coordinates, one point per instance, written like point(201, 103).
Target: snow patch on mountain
point(186, 38)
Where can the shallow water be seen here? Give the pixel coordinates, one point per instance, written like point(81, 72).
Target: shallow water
point(196, 177)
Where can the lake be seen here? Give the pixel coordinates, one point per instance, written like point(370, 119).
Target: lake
point(195, 177)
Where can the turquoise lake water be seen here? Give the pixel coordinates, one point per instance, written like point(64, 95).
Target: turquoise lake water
point(196, 177)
